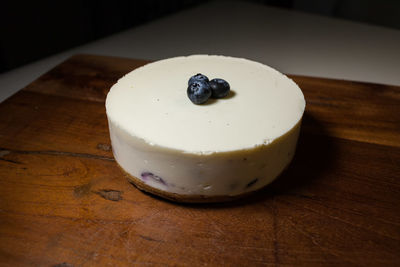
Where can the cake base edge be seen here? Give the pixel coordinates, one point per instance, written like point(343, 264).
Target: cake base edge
point(138, 183)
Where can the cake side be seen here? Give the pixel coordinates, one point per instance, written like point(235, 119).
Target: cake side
point(184, 198)
point(225, 173)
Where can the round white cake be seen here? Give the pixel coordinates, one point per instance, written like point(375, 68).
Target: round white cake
point(216, 151)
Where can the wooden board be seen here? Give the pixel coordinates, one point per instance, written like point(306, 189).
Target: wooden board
point(64, 201)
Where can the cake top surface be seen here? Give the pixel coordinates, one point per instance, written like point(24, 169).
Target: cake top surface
point(151, 103)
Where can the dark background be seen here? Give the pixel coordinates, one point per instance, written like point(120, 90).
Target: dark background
point(30, 30)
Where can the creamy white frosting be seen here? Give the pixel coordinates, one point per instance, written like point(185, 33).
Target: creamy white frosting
point(151, 103)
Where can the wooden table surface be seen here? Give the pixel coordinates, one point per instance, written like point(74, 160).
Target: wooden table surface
point(64, 201)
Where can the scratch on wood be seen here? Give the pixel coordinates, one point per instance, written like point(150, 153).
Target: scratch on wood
point(313, 240)
point(82, 190)
point(104, 147)
point(275, 233)
point(60, 153)
point(64, 264)
point(343, 220)
point(11, 161)
point(4, 152)
point(149, 238)
point(109, 194)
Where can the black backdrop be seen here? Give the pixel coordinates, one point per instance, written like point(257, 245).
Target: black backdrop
point(30, 30)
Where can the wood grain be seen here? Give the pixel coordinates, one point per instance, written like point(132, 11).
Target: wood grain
point(64, 201)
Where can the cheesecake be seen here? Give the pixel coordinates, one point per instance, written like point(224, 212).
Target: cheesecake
point(216, 151)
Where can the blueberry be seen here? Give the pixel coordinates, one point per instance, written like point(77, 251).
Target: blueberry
point(150, 176)
point(198, 77)
point(219, 88)
point(199, 92)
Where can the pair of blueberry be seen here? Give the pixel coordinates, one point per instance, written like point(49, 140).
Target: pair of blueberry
point(200, 89)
